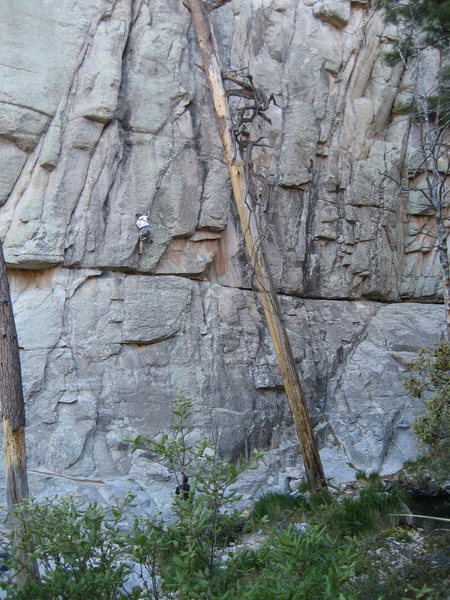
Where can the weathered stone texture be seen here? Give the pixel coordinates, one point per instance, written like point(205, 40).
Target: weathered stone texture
point(104, 112)
point(335, 12)
point(106, 353)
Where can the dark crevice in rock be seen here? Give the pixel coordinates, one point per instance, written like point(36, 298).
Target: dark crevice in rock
point(201, 278)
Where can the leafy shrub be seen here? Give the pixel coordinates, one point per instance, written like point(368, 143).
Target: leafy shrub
point(85, 551)
point(432, 17)
point(230, 528)
point(314, 566)
point(431, 375)
point(79, 550)
point(188, 553)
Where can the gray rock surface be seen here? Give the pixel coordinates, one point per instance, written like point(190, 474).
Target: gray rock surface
point(112, 118)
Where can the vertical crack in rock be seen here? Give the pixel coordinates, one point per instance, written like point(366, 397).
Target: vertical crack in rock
point(39, 235)
point(126, 127)
point(353, 339)
point(88, 223)
point(387, 439)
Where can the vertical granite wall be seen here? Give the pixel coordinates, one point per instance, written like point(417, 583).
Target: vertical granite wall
point(104, 112)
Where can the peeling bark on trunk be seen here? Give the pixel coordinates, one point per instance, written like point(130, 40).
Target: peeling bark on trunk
point(15, 460)
point(13, 408)
point(11, 396)
point(252, 237)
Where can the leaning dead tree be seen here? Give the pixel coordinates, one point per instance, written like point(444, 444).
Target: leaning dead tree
point(232, 144)
point(13, 409)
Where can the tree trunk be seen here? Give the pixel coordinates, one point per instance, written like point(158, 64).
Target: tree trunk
point(13, 408)
point(252, 238)
point(445, 269)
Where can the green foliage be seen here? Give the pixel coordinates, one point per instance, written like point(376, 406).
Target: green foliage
point(428, 472)
point(359, 515)
point(401, 52)
point(393, 580)
point(78, 549)
point(314, 566)
point(189, 551)
point(230, 528)
point(356, 516)
point(85, 551)
point(425, 576)
point(145, 544)
point(372, 477)
point(277, 507)
point(431, 377)
point(348, 516)
point(421, 23)
point(432, 16)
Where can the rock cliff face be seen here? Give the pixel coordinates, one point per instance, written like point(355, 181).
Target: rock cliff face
point(104, 112)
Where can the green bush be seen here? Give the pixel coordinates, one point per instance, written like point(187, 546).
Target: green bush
point(431, 17)
point(187, 555)
point(231, 526)
point(79, 550)
point(314, 566)
point(431, 377)
point(429, 472)
point(85, 551)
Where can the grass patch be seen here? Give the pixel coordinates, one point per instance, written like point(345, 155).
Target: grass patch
point(367, 512)
point(275, 507)
point(349, 516)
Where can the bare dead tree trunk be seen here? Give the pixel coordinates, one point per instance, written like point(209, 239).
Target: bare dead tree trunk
point(267, 293)
point(434, 147)
point(434, 128)
point(445, 269)
point(11, 396)
point(13, 408)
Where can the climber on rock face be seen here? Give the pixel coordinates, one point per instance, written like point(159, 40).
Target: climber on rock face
point(144, 230)
point(184, 489)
